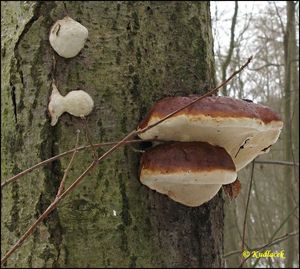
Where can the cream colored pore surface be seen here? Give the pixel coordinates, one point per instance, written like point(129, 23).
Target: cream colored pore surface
point(188, 188)
point(242, 138)
point(189, 195)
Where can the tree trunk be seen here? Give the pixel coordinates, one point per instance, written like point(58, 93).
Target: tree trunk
point(228, 57)
point(136, 53)
point(289, 56)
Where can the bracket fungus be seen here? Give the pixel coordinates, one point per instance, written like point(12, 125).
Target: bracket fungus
point(67, 37)
point(77, 103)
point(242, 128)
point(190, 173)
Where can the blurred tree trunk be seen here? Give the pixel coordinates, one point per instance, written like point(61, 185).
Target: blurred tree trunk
point(289, 57)
point(295, 85)
point(137, 53)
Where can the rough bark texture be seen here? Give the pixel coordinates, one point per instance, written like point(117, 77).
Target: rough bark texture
point(137, 53)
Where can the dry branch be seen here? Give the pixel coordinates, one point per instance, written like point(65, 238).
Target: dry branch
point(247, 205)
point(62, 183)
point(89, 139)
point(271, 243)
point(42, 163)
point(278, 162)
point(46, 212)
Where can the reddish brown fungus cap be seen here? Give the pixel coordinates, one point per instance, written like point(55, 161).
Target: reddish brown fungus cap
point(188, 172)
point(244, 129)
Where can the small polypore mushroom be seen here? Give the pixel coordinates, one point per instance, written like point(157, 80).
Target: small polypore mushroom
point(243, 128)
point(190, 173)
point(67, 37)
point(77, 103)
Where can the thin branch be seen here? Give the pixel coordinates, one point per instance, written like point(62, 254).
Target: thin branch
point(272, 237)
point(29, 232)
point(62, 183)
point(264, 66)
point(278, 162)
point(65, 9)
point(42, 163)
point(88, 136)
point(197, 99)
point(53, 205)
point(274, 242)
point(271, 243)
point(129, 136)
point(279, 17)
point(247, 205)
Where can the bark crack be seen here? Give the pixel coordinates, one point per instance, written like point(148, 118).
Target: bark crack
point(13, 97)
point(16, 63)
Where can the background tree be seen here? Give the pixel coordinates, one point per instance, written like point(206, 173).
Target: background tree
point(290, 89)
point(137, 53)
point(273, 210)
point(228, 57)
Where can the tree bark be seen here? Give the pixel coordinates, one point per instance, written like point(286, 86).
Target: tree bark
point(136, 53)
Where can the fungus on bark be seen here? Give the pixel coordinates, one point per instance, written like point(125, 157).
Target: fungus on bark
point(190, 173)
point(242, 128)
point(77, 103)
point(67, 37)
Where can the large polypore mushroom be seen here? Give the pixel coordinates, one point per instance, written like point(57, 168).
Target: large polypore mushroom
point(188, 172)
point(244, 129)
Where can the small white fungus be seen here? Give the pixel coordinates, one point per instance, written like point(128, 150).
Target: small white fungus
point(67, 37)
point(77, 103)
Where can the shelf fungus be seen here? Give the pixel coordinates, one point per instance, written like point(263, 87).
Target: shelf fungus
point(67, 37)
point(77, 103)
point(244, 129)
point(190, 173)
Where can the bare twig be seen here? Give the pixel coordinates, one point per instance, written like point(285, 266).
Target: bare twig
point(264, 66)
point(196, 100)
point(271, 243)
point(62, 183)
point(129, 136)
point(50, 208)
point(277, 162)
point(247, 205)
point(65, 9)
point(29, 232)
point(53, 205)
point(88, 136)
point(28, 170)
point(279, 17)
